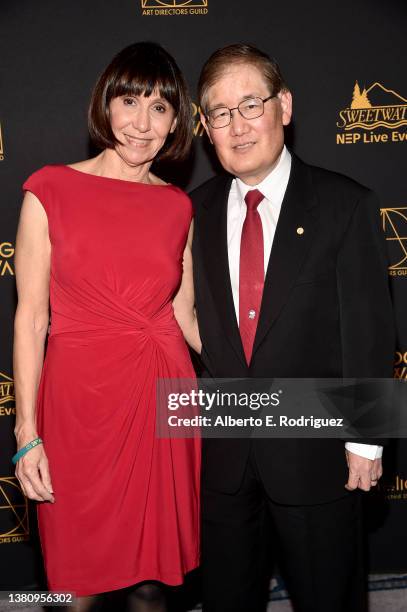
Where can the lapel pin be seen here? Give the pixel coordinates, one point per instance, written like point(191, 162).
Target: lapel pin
point(300, 231)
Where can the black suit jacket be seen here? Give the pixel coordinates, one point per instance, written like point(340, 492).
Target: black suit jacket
point(326, 312)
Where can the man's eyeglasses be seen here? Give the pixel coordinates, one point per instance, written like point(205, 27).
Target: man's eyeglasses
point(249, 109)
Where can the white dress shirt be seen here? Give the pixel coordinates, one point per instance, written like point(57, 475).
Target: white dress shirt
point(273, 187)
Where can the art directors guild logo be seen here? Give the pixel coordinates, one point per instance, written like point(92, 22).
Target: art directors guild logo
point(400, 365)
point(394, 223)
point(375, 115)
point(174, 7)
point(7, 400)
point(6, 262)
point(14, 525)
point(198, 127)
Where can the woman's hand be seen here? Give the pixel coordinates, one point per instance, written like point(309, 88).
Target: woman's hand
point(32, 470)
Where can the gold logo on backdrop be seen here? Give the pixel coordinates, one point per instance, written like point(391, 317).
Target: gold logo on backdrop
point(7, 400)
point(198, 127)
point(174, 7)
point(1, 145)
point(6, 253)
point(400, 365)
point(394, 222)
point(395, 489)
point(14, 522)
point(372, 112)
point(173, 3)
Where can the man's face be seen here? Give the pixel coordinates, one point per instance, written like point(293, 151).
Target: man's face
point(248, 148)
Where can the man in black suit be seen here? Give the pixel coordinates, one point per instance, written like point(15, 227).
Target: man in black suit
point(290, 281)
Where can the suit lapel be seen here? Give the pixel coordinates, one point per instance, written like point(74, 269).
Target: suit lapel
point(289, 246)
point(213, 238)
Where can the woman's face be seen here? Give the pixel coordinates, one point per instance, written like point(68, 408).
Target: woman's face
point(141, 125)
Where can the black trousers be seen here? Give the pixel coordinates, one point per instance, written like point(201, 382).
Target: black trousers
point(319, 550)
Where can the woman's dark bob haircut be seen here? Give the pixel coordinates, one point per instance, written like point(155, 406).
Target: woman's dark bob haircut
point(138, 70)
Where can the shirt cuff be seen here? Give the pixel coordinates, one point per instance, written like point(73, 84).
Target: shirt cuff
point(369, 451)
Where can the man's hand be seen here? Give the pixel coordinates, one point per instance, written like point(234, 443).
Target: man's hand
point(363, 473)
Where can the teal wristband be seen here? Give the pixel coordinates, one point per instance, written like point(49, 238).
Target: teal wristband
point(25, 449)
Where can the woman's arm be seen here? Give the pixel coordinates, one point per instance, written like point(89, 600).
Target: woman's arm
point(184, 301)
point(32, 264)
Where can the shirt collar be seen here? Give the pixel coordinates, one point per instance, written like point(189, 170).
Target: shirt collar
point(270, 185)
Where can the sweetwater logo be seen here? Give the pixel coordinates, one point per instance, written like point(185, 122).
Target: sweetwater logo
point(7, 400)
point(1, 145)
point(394, 223)
point(174, 7)
point(14, 525)
point(372, 112)
point(6, 254)
point(400, 365)
point(198, 127)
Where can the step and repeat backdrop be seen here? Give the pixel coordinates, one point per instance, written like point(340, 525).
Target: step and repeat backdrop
point(343, 62)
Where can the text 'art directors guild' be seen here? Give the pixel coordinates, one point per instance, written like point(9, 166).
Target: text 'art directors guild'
point(155, 8)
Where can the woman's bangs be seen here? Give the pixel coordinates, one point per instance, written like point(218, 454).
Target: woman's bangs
point(143, 83)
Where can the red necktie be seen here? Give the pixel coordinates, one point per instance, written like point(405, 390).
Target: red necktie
point(251, 276)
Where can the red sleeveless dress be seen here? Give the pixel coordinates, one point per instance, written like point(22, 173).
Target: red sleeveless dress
point(126, 502)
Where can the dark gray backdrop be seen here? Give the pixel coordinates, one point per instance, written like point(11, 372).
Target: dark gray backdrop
point(51, 53)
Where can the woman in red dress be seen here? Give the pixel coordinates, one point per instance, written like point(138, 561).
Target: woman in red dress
point(108, 244)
